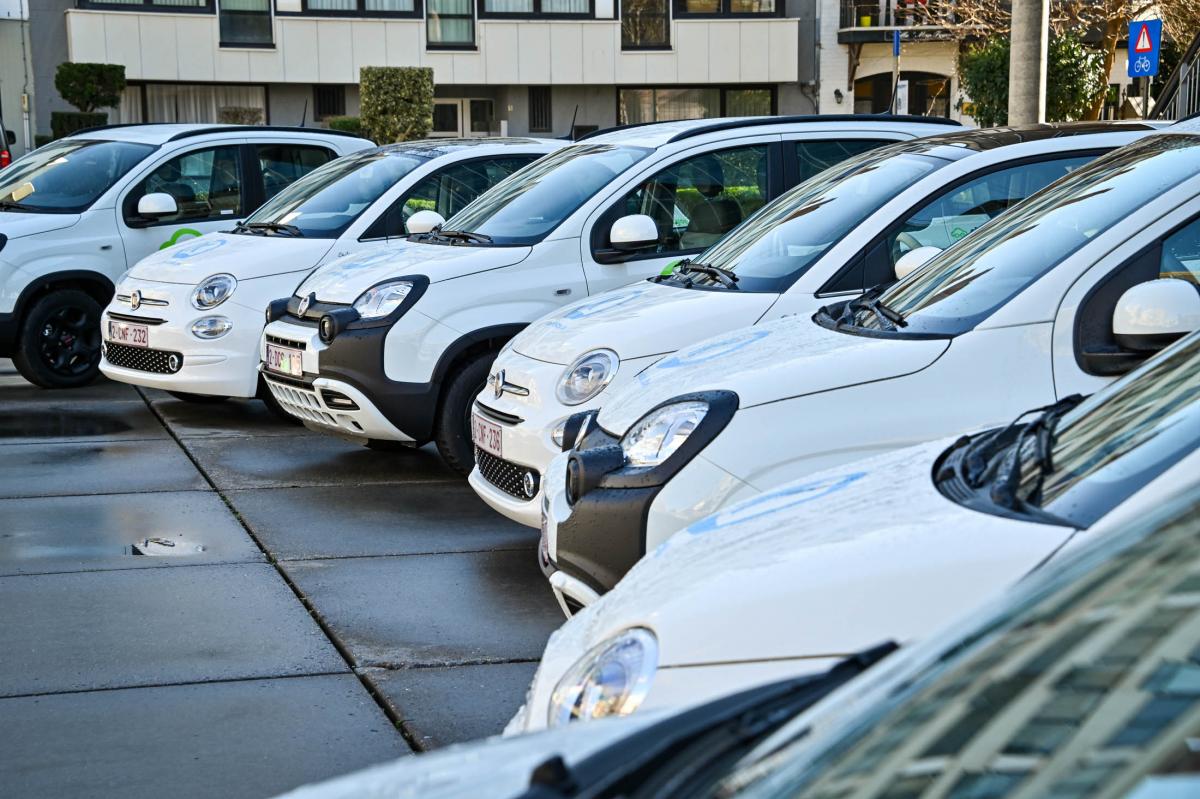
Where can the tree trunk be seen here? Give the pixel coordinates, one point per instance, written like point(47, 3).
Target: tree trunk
point(1112, 33)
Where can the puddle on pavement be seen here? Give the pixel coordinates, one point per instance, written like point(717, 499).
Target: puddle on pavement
point(170, 546)
point(60, 425)
point(161, 546)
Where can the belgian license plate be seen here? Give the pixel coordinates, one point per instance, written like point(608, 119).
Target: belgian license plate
point(285, 360)
point(487, 436)
point(130, 333)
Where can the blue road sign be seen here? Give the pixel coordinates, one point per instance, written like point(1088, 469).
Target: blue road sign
point(1144, 37)
point(896, 44)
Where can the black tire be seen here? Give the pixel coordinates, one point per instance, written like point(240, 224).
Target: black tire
point(268, 399)
point(198, 399)
point(452, 427)
point(58, 344)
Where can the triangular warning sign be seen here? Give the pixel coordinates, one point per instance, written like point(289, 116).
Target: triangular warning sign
point(1143, 41)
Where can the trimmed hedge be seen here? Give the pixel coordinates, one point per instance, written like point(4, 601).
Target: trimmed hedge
point(90, 86)
point(348, 124)
point(64, 123)
point(397, 102)
point(240, 115)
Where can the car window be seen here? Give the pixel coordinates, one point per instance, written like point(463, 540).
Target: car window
point(1181, 254)
point(283, 164)
point(696, 201)
point(446, 191)
point(68, 175)
point(206, 184)
point(814, 157)
point(964, 285)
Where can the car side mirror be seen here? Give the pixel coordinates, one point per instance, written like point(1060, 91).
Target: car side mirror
point(633, 232)
point(157, 204)
point(10, 137)
point(424, 221)
point(913, 260)
point(1151, 315)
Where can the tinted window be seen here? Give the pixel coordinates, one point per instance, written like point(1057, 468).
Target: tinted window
point(283, 164)
point(814, 157)
point(1181, 254)
point(68, 175)
point(206, 184)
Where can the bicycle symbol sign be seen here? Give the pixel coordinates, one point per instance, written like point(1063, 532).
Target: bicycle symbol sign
point(1141, 66)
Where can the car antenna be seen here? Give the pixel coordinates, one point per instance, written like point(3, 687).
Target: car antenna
point(304, 113)
point(571, 133)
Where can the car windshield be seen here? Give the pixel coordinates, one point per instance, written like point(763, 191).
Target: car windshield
point(1118, 440)
point(1083, 682)
point(326, 201)
point(524, 208)
point(775, 246)
point(68, 175)
point(962, 286)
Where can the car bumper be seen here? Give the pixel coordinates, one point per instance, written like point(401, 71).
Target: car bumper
point(225, 366)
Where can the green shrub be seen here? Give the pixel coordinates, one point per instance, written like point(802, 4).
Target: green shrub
point(397, 102)
point(64, 123)
point(240, 115)
point(90, 86)
point(348, 124)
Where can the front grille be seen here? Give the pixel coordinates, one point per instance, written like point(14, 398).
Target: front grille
point(506, 475)
point(143, 359)
point(301, 403)
point(499, 416)
point(283, 342)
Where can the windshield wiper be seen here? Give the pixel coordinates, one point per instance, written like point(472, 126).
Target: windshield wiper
point(13, 205)
point(1041, 430)
point(888, 318)
point(725, 277)
point(274, 227)
point(463, 235)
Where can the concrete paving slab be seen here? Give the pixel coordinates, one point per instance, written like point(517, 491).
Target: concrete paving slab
point(442, 706)
point(307, 460)
point(60, 421)
point(65, 534)
point(238, 739)
point(119, 467)
point(117, 629)
point(349, 521)
point(14, 388)
point(234, 417)
point(432, 609)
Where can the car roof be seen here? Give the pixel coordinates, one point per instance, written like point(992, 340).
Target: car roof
point(436, 148)
point(978, 140)
point(159, 133)
point(657, 134)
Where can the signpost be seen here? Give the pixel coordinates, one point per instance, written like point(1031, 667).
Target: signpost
point(896, 75)
point(1145, 36)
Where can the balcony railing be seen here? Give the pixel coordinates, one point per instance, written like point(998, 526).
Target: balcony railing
point(890, 13)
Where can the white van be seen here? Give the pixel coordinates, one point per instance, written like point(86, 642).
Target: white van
point(189, 319)
point(392, 347)
point(78, 212)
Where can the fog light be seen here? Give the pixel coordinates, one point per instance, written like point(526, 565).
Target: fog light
point(173, 362)
point(529, 483)
point(211, 327)
point(574, 480)
point(327, 330)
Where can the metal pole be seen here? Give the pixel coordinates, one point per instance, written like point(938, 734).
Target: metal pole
point(1027, 62)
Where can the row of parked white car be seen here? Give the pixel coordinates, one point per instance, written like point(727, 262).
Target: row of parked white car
point(782, 395)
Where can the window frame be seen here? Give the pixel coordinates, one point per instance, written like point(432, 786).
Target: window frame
point(636, 48)
point(679, 11)
point(549, 108)
point(722, 88)
point(207, 7)
point(455, 46)
point(481, 12)
point(317, 88)
point(224, 45)
point(359, 10)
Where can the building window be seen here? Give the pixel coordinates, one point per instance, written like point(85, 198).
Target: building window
point(450, 24)
point(726, 8)
point(329, 101)
point(692, 102)
point(181, 102)
point(540, 117)
point(540, 8)
point(361, 8)
point(149, 5)
point(246, 23)
point(645, 25)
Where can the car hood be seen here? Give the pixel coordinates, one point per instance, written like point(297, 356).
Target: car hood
point(17, 224)
point(343, 280)
point(494, 768)
point(638, 320)
point(829, 565)
point(244, 257)
point(788, 357)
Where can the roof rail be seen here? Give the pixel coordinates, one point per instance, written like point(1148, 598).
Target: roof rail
point(730, 124)
point(613, 129)
point(215, 128)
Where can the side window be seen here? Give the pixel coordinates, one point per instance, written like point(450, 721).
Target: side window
point(446, 191)
point(814, 157)
point(206, 185)
point(283, 163)
point(696, 201)
point(1181, 254)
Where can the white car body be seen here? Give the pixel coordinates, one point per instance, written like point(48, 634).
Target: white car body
point(473, 299)
point(90, 248)
point(890, 548)
point(267, 267)
point(643, 322)
point(795, 397)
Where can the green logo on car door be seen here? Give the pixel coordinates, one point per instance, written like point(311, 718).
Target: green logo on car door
point(177, 235)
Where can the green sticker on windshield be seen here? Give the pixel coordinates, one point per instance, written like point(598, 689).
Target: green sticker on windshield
point(183, 231)
point(957, 233)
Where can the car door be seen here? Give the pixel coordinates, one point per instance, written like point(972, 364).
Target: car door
point(1086, 354)
point(694, 198)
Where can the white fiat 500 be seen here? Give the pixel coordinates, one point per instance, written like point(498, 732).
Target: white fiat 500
point(78, 212)
point(391, 347)
point(1076, 285)
point(840, 233)
point(888, 548)
point(189, 319)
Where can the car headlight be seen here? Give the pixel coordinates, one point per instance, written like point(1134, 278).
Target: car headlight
point(610, 680)
point(379, 301)
point(659, 433)
point(213, 291)
point(587, 377)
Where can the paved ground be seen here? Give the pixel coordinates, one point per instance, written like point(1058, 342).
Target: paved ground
point(324, 607)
